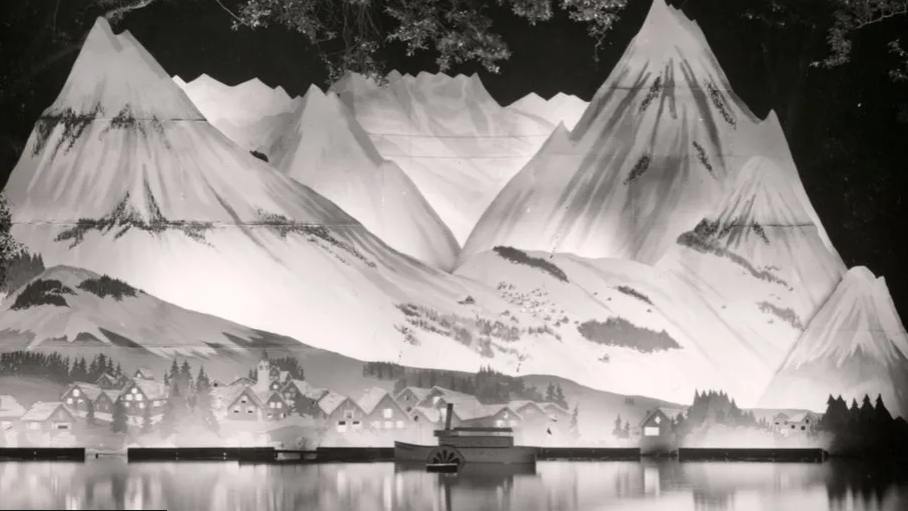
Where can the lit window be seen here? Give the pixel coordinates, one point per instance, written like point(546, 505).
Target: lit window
point(435, 400)
point(142, 406)
point(499, 424)
point(138, 397)
point(236, 409)
point(76, 392)
point(400, 424)
point(512, 423)
point(134, 390)
point(387, 413)
point(657, 420)
point(129, 397)
point(649, 431)
point(243, 400)
point(280, 405)
point(69, 400)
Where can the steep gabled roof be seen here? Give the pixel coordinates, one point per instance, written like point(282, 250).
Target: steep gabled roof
point(431, 414)
point(466, 407)
point(306, 389)
point(419, 392)
point(151, 388)
point(90, 390)
point(10, 408)
point(330, 401)
point(498, 407)
point(41, 411)
point(371, 398)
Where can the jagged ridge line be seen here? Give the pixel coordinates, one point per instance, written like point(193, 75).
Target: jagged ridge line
point(205, 223)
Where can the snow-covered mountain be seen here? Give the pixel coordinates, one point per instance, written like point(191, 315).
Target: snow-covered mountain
point(759, 259)
point(652, 155)
point(448, 134)
point(854, 345)
point(252, 114)
point(560, 108)
point(123, 176)
point(324, 148)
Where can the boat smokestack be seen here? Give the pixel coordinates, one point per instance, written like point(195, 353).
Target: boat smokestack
point(448, 415)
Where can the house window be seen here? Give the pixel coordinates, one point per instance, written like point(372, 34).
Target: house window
point(69, 400)
point(400, 424)
point(803, 428)
point(243, 400)
point(129, 397)
point(341, 426)
point(76, 392)
point(236, 409)
point(141, 406)
point(357, 426)
point(792, 426)
point(134, 390)
point(512, 423)
point(279, 405)
point(650, 431)
point(387, 413)
point(249, 410)
point(348, 415)
point(435, 400)
point(61, 425)
point(499, 424)
point(138, 397)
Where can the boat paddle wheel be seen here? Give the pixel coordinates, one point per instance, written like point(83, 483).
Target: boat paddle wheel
point(444, 458)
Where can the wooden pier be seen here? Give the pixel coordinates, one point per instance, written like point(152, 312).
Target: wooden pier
point(815, 455)
point(201, 454)
point(589, 453)
point(42, 454)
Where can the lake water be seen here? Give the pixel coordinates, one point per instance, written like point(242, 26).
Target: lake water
point(552, 486)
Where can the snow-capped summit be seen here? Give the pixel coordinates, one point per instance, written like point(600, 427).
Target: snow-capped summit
point(854, 345)
point(457, 144)
point(327, 150)
point(561, 107)
point(759, 258)
point(112, 77)
point(649, 156)
point(252, 114)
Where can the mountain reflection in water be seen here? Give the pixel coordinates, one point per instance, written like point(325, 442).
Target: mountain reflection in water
point(551, 486)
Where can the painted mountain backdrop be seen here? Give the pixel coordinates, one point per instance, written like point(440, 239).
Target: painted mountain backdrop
point(658, 243)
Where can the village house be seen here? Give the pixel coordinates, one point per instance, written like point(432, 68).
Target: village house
point(79, 396)
point(303, 397)
point(105, 402)
point(10, 412)
point(434, 394)
point(503, 416)
point(382, 412)
point(237, 403)
point(409, 397)
point(657, 435)
point(275, 406)
point(340, 413)
point(140, 394)
point(144, 373)
point(557, 413)
point(108, 381)
point(48, 417)
point(801, 423)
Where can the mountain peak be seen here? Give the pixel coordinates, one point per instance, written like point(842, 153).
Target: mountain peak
point(115, 76)
point(762, 197)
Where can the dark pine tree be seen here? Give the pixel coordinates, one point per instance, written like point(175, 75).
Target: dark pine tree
point(147, 424)
point(119, 424)
point(575, 422)
point(616, 430)
point(626, 432)
point(90, 418)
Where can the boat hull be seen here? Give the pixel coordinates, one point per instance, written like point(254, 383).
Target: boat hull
point(405, 452)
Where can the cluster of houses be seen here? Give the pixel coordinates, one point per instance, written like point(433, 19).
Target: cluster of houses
point(374, 417)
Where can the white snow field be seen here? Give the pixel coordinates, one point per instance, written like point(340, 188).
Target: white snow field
point(560, 108)
point(656, 150)
point(448, 134)
point(324, 148)
point(759, 258)
point(251, 114)
point(855, 345)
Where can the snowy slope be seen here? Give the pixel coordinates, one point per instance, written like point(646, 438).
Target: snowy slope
point(855, 345)
point(759, 259)
point(652, 155)
point(633, 303)
point(88, 306)
point(561, 107)
point(251, 114)
point(324, 148)
point(448, 134)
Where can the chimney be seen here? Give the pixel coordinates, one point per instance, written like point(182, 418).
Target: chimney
point(448, 415)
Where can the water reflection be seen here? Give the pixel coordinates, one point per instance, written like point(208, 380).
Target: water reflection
point(655, 486)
